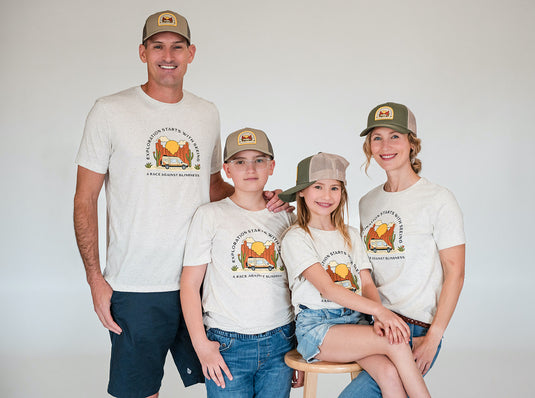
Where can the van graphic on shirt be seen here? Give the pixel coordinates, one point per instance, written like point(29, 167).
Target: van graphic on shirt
point(341, 275)
point(256, 255)
point(173, 150)
point(381, 236)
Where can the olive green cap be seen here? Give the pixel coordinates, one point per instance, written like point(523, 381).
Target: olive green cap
point(322, 166)
point(390, 114)
point(166, 21)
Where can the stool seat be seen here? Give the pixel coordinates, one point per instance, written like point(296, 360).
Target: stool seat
point(295, 361)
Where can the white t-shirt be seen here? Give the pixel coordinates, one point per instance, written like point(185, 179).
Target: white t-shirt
point(300, 250)
point(245, 288)
point(158, 159)
point(403, 233)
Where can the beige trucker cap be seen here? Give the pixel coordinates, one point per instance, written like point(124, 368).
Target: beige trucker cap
point(247, 139)
point(166, 21)
point(322, 166)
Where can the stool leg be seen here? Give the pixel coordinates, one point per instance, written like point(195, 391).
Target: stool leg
point(311, 384)
point(355, 374)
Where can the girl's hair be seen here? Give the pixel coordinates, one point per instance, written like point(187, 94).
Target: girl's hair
point(414, 142)
point(337, 216)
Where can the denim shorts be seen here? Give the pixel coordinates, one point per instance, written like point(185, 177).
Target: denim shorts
point(312, 326)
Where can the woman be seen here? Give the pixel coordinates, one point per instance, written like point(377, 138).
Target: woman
point(413, 233)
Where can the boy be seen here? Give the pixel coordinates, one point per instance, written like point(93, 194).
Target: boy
point(233, 251)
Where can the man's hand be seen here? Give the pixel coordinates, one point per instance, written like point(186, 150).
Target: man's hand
point(101, 292)
point(275, 204)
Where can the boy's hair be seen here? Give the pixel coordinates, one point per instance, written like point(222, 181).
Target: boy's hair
point(337, 216)
point(414, 142)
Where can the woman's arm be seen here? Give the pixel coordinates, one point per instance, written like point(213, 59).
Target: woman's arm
point(391, 323)
point(208, 351)
point(425, 347)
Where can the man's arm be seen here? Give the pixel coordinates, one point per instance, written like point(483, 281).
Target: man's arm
point(88, 186)
point(219, 189)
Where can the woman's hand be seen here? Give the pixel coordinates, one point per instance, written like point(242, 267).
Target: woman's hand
point(213, 363)
point(424, 349)
point(394, 328)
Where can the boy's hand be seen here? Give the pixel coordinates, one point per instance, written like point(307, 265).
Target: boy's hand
point(274, 204)
point(298, 379)
point(213, 363)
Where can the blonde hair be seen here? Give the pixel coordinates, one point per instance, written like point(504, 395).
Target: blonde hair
point(337, 216)
point(414, 142)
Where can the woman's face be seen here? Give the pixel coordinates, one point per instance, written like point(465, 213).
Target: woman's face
point(390, 149)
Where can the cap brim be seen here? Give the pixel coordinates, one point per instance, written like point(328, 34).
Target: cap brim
point(397, 128)
point(290, 194)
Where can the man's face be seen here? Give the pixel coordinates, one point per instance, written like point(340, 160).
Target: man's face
point(167, 56)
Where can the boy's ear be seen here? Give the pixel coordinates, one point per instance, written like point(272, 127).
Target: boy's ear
point(227, 170)
point(271, 167)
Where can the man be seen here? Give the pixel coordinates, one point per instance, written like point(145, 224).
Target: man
point(157, 148)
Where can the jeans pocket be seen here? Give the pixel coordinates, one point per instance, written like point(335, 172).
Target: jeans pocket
point(225, 343)
point(288, 331)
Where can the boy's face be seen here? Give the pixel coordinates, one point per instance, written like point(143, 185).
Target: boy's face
point(249, 170)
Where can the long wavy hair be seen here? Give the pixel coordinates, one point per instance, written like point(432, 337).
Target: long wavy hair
point(414, 142)
point(337, 216)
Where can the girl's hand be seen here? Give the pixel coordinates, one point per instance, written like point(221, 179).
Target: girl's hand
point(378, 328)
point(213, 363)
point(395, 329)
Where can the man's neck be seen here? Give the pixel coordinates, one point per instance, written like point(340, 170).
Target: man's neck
point(169, 95)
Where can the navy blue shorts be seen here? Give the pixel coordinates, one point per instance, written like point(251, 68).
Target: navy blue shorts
point(152, 325)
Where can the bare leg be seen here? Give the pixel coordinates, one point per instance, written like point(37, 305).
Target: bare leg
point(385, 374)
point(346, 343)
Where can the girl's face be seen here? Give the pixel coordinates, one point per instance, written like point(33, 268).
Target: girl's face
point(390, 149)
point(322, 197)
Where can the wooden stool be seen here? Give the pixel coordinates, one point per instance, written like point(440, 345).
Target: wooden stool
point(295, 361)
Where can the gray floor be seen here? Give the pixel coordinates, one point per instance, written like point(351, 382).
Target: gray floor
point(461, 374)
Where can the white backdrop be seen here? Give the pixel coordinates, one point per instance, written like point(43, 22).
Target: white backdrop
point(306, 72)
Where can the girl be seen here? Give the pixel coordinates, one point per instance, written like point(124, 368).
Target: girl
point(420, 274)
point(321, 254)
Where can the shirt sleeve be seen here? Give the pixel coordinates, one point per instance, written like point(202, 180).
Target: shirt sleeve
point(298, 252)
point(199, 239)
point(448, 228)
point(95, 148)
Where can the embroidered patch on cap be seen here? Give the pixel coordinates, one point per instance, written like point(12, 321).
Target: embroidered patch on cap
point(246, 138)
point(166, 19)
point(384, 113)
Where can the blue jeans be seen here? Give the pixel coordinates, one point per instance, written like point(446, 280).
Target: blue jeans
point(364, 386)
point(256, 362)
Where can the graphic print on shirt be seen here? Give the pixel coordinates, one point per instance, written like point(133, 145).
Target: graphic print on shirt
point(256, 251)
point(384, 235)
point(338, 265)
point(170, 149)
